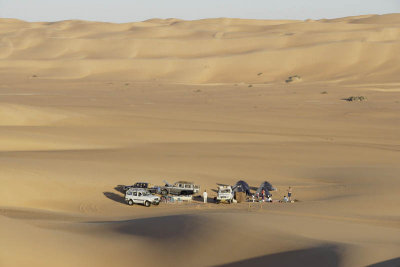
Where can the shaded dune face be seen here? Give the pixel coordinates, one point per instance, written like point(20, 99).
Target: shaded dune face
point(160, 229)
point(218, 237)
point(327, 255)
point(204, 51)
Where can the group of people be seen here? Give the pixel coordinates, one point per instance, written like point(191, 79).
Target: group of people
point(288, 198)
point(265, 196)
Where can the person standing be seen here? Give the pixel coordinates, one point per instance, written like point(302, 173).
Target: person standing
point(205, 196)
point(263, 195)
point(289, 194)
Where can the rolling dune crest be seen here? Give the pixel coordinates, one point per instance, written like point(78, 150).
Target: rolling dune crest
point(203, 51)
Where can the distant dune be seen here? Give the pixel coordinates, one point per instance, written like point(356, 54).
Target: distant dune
point(222, 50)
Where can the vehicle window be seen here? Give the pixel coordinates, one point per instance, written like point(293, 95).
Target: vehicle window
point(135, 194)
point(129, 193)
point(180, 185)
point(139, 194)
point(187, 185)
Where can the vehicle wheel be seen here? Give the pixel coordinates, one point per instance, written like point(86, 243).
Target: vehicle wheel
point(147, 203)
point(130, 202)
point(156, 203)
point(230, 201)
point(164, 192)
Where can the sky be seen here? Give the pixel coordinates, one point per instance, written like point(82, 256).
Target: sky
point(139, 10)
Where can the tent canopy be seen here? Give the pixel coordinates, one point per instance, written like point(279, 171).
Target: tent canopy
point(267, 187)
point(242, 186)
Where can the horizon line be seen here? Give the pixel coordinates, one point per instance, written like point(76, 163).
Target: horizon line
point(197, 19)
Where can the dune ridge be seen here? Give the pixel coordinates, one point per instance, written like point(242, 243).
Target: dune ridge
point(205, 51)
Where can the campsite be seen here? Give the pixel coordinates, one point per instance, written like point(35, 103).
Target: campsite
point(183, 191)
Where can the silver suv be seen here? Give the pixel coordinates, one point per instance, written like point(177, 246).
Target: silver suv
point(180, 188)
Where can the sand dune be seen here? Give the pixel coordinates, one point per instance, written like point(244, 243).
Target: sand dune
point(88, 106)
point(205, 51)
point(19, 115)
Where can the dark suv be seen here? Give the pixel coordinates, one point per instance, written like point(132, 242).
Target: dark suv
point(143, 185)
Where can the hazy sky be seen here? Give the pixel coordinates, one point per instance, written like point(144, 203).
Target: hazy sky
point(137, 10)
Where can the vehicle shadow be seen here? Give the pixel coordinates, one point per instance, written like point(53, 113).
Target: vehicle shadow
point(120, 188)
point(199, 199)
point(115, 197)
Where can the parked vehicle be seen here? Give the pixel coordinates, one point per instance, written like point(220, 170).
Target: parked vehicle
point(141, 196)
point(225, 194)
point(149, 187)
point(179, 188)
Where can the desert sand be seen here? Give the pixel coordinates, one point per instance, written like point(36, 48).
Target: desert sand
point(87, 106)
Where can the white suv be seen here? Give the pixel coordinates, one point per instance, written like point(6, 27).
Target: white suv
point(225, 194)
point(141, 196)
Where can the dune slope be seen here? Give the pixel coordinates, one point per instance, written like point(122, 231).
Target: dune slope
point(205, 51)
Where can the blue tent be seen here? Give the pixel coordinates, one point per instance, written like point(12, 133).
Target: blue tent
point(267, 187)
point(242, 186)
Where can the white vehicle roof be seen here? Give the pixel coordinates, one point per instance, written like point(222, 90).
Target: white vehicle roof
point(138, 189)
point(184, 182)
point(224, 187)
